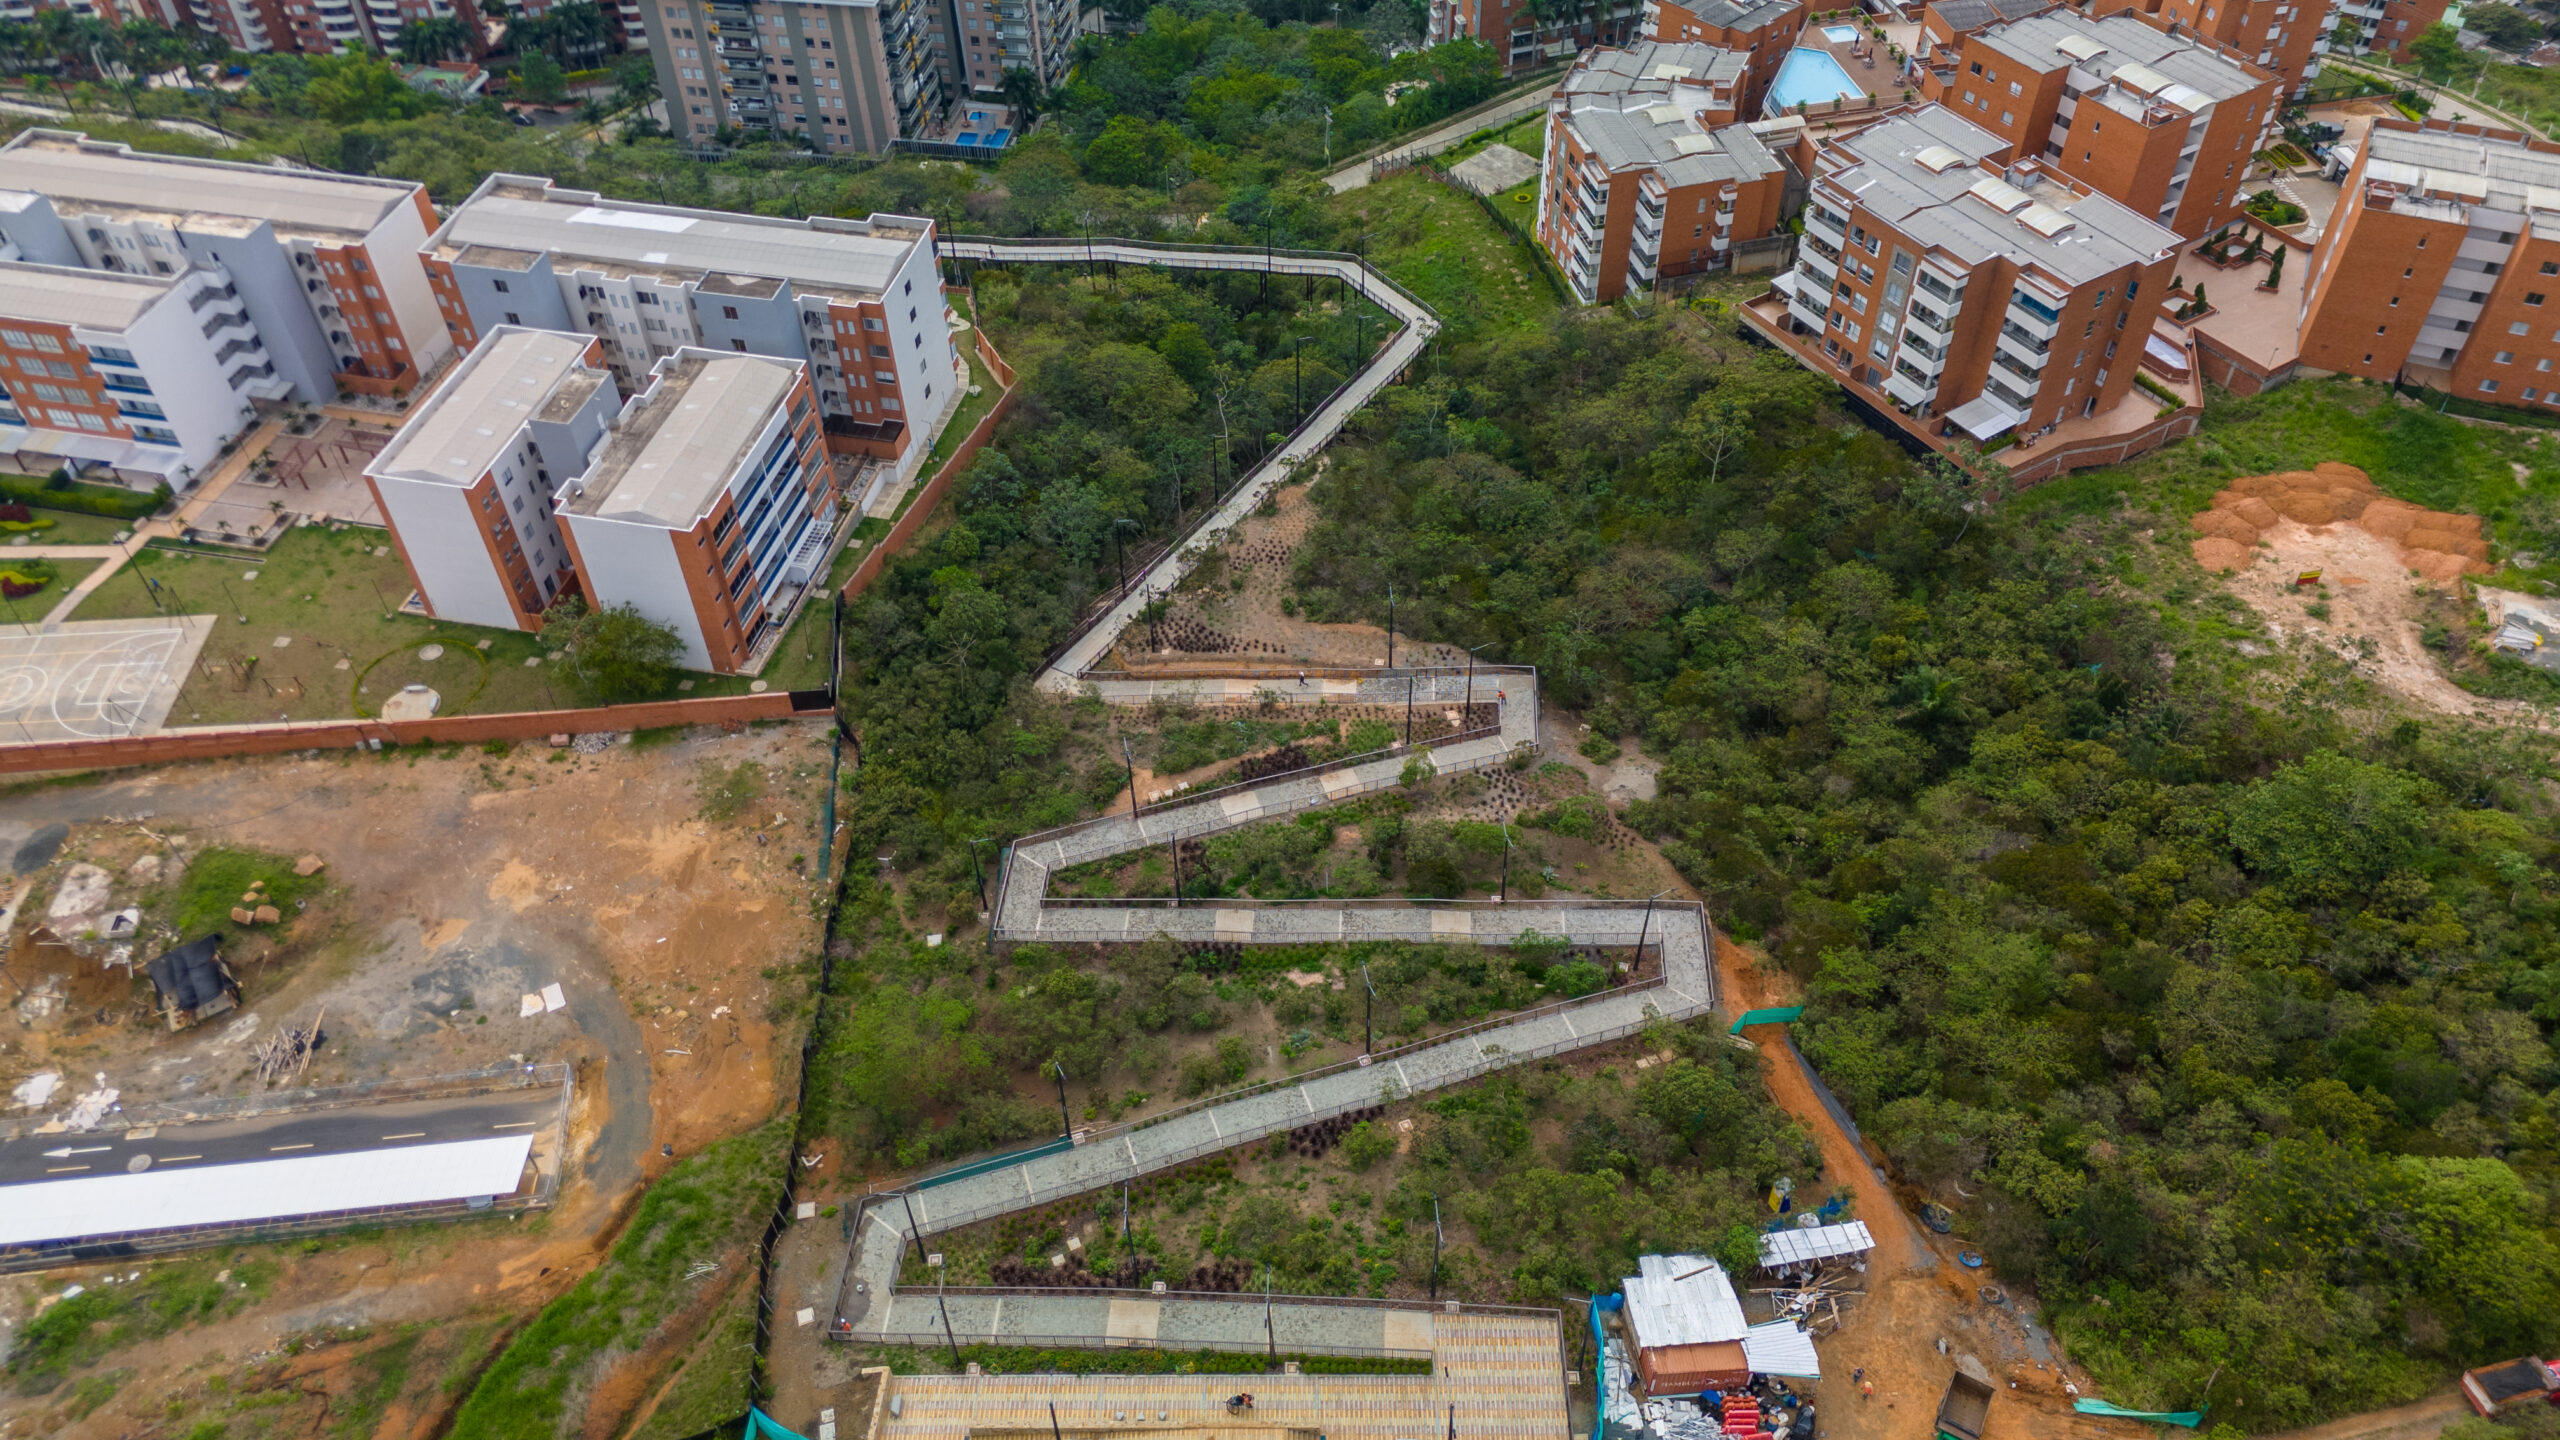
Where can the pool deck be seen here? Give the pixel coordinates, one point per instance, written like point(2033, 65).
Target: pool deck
point(1865, 69)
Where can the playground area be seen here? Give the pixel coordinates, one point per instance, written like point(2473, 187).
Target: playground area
point(96, 679)
point(319, 476)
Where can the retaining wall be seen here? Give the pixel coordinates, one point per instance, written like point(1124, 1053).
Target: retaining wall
point(216, 741)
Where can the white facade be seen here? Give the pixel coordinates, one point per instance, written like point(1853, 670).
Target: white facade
point(121, 373)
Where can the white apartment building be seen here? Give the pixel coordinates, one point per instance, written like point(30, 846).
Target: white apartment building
point(137, 380)
point(858, 301)
point(322, 266)
point(468, 484)
point(711, 506)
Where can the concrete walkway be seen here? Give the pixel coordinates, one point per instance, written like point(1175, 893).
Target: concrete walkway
point(1352, 177)
point(210, 489)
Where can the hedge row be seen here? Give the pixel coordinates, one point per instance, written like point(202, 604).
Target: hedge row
point(64, 493)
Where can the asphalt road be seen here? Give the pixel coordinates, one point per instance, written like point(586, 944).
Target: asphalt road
point(390, 1126)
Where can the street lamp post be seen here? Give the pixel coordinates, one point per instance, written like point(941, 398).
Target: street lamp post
point(1132, 767)
point(1368, 1012)
point(1058, 1072)
point(974, 869)
point(1391, 625)
point(1504, 893)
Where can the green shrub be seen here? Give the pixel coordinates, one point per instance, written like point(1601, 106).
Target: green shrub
point(64, 493)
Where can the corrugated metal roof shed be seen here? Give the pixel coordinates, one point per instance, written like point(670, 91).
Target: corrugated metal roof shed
point(1682, 1300)
point(1779, 1348)
point(1798, 1247)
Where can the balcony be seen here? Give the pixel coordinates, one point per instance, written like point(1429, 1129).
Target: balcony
point(1829, 229)
point(1914, 393)
point(2025, 356)
point(2036, 317)
point(2027, 375)
point(1935, 328)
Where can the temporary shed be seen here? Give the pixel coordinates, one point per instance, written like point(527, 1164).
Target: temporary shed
point(1802, 1246)
point(1686, 1325)
point(193, 982)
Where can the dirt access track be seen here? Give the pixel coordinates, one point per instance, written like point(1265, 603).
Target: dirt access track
point(458, 882)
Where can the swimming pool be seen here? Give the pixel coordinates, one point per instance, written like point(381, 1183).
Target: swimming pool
point(1810, 78)
point(1840, 34)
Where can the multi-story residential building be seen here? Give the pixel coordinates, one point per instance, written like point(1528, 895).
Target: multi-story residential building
point(2387, 27)
point(1525, 41)
point(1760, 31)
point(858, 300)
point(851, 75)
point(2163, 123)
point(1949, 281)
point(323, 265)
point(1945, 22)
point(310, 27)
point(2287, 37)
point(989, 37)
point(468, 484)
point(1641, 146)
point(635, 28)
point(712, 505)
point(137, 380)
point(2442, 260)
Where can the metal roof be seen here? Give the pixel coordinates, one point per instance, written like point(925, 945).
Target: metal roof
point(1800, 1246)
point(1637, 109)
point(77, 172)
point(676, 446)
point(1973, 213)
point(170, 1197)
point(581, 229)
point(1682, 1300)
point(2126, 50)
point(1779, 1348)
point(1734, 15)
point(474, 415)
point(2501, 173)
point(67, 295)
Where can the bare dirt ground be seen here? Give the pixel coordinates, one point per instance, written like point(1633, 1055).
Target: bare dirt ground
point(2373, 603)
point(1230, 607)
point(457, 883)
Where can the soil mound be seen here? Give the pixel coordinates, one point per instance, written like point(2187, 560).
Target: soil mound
point(2435, 544)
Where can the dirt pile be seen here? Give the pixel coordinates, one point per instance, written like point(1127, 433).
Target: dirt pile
point(2434, 544)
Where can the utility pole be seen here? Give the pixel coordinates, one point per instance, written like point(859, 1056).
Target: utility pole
point(1369, 1013)
point(1435, 1247)
point(941, 1300)
point(1504, 894)
point(1058, 1072)
point(1132, 767)
point(1408, 709)
point(915, 1232)
point(981, 874)
point(1471, 673)
point(1175, 845)
point(1647, 927)
point(1120, 553)
point(1391, 625)
point(1270, 1332)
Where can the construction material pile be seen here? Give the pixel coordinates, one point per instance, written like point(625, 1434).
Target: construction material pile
point(2437, 545)
point(285, 1054)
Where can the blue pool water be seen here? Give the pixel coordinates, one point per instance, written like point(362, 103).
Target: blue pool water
point(966, 137)
point(1838, 34)
point(998, 138)
point(1811, 78)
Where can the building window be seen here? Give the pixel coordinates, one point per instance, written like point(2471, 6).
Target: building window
point(2489, 387)
point(2506, 357)
point(2533, 297)
point(2519, 328)
point(738, 345)
point(730, 312)
point(501, 285)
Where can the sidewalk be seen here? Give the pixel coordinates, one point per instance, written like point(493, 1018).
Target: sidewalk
point(1352, 177)
point(233, 466)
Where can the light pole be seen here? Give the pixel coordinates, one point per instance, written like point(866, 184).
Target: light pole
point(1391, 625)
point(1120, 550)
point(1435, 1247)
point(944, 1303)
point(1058, 1072)
point(980, 873)
point(1504, 893)
point(1408, 709)
point(1471, 672)
point(1368, 1012)
point(1646, 928)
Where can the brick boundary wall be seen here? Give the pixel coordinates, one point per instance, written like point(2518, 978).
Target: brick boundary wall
point(2047, 461)
point(219, 741)
point(2226, 369)
point(921, 508)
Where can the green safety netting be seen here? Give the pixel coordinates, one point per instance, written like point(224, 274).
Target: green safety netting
point(761, 1426)
point(1775, 1016)
point(2191, 1419)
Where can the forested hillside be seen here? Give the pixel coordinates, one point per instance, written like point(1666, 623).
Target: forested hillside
point(2220, 1009)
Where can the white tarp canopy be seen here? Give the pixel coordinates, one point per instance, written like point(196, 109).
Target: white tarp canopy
point(1779, 1348)
point(1985, 418)
point(1801, 1247)
point(181, 1196)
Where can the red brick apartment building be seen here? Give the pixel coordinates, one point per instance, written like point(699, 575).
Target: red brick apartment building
point(1953, 283)
point(2443, 261)
point(1948, 21)
point(2165, 124)
point(1515, 31)
point(2386, 27)
point(1646, 172)
point(2287, 37)
point(1761, 31)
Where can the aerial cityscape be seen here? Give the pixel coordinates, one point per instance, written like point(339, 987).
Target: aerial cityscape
point(1266, 720)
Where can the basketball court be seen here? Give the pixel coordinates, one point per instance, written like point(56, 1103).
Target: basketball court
point(94, 679)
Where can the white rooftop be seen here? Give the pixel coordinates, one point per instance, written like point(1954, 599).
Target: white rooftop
point(1682, 1300)
point(458, 433)
point(77, 172)
point(67, 295)
point(1799, 1245)
point(676, 446)
point(528, 214)
point(168, 1197)
point(2175, 69)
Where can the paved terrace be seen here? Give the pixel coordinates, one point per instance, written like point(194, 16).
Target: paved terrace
point(1504, 1374)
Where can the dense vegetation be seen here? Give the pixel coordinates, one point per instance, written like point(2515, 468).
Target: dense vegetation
point(2235, 1016)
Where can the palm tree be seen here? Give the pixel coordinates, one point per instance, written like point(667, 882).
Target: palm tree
point(1023, 91)
point(583, 32)
point(438, 37)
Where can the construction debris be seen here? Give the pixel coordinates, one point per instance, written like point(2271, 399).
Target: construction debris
point(309, 865)
point(288, 1051)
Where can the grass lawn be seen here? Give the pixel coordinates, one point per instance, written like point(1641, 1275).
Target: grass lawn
point(972, 408)
point(32, 608)
point(323, 592)
point(73, 527)
point(1439, 244)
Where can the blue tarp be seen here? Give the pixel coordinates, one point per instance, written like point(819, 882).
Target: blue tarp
point(1600, 1361)
point(2191, 1419)
point(761, 1426)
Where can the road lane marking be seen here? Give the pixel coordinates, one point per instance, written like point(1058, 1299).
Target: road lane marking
point(64, 1169)
point(304, 1146)
point(174, 1159)
point(517, 1125)
point(412, 1135)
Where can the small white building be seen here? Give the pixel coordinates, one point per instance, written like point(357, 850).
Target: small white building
point(468, 485)
point(713, 505)
point(117, 376)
